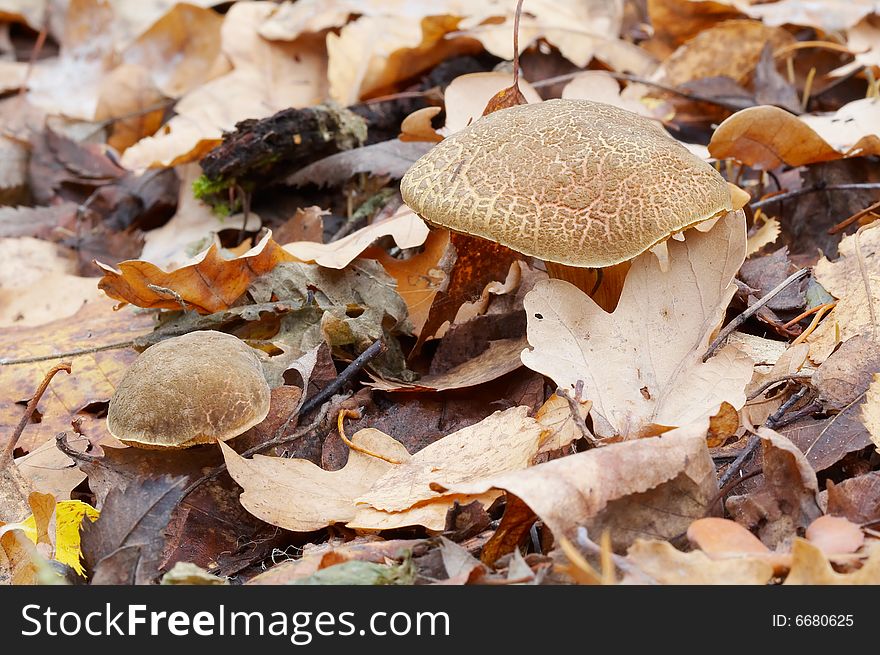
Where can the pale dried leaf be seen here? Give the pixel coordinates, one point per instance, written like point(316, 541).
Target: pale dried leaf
point(764, 235)
point(297, 495)
point(810, 566)
point(666, 565)
point(871, 411)
point(574, 340)
point(467, 95)
point(405, 227)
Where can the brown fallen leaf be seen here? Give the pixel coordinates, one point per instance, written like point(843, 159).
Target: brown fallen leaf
point(662, 562)
point(645, 487)
point(847, 373)
point(466, 96)
point(846, 279)
point(811, 566)
point(787, 500)
point(500, 358)
point(731, 49)
point(858, 498)
point(92, 379)
point(835, 535)
point(405, 227)
point(124, 546)
point(573, 340)
point(766, 136)
point(128, 91)
point(209, 285)
point(871, 411)
point(417, 126)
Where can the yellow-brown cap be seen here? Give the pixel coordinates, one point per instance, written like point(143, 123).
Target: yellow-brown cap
point(573, 182)
point(197, 388)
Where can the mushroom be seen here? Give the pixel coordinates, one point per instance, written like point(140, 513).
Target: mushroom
point(581, 185)
point(197, 388)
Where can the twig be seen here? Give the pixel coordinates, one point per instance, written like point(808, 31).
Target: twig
point(863, 271)
point(753, 442)
point(626, 77)
point(809, 312)
point(730, 486)
point(9, 448)
point(75, 455)
point(350, 371)
point(769, 383)
point(340, 426)
point(742, 318)
point(579, 422)
point(622, 563)
point(165, 332)
point(813, 189)
point(35, 51)
point(823, 309)
point(852, 219)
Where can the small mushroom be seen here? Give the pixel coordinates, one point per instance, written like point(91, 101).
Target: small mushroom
point(197, 388)
point(579, 184)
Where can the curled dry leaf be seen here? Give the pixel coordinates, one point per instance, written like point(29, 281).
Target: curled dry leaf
point(766, 234)
point(405, 227)
point(321, 498)
point(210, 284)
point(810, 566)
point(871, 411)
point(665, 564)
point(767, 137)
point(467, 95)
point(787, 500)
point(854, 278)
point(646, 487)
point(417, 126)
point(573, 340)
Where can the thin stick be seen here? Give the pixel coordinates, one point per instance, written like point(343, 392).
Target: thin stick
point(742, 318)
point(67, 354)
point(769, 383)
point(813, 189)
point(75, 455)
point(809, 312)
point(626, 77)
point(516, 43)
point(852, 219)
point(350, 371)
point(340, 426)
point(752, 445)
point(579, 422)
point(863, 271)
point(824, 309)
point(9, 448)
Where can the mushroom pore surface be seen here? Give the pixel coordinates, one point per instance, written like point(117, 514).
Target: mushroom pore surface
point(573, 182)
point(197, 388)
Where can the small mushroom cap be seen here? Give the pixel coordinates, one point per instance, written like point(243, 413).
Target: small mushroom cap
point(573, 182)
point(197, 388)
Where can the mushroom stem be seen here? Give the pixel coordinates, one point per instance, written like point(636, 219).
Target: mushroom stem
point(603, 285)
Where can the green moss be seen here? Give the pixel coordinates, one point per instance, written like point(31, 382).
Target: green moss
point(204, 187)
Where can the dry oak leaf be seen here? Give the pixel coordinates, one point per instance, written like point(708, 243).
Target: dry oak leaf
point(665, 564)
point(764, 235)
point(767, 137)
point(725, 539)
point(646, 487)
point(635, 375)
point(209, 285)
point(266, 78)
point(835, 535)
point(811, 566)
point(827, 15)
point(500, 358)
point(871, 411)
point(844, 279)
point(297, 495)
point(730, 49)
point(405, 227)
point(504, 441)
point(91, 381)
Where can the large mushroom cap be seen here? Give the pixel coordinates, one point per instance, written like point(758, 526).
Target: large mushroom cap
point(573, 182)
point(197, 388)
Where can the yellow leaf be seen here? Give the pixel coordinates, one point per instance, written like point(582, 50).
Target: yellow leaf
point(68, 517)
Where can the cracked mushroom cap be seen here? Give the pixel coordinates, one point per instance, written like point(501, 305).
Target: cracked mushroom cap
point(574, 182)
point(197, 388)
